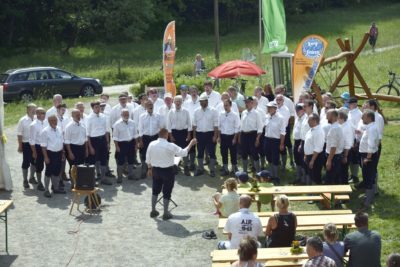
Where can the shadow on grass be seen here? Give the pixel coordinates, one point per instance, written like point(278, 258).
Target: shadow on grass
point(7, 260)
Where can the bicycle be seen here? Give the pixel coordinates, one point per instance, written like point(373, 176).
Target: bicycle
point(390, 88)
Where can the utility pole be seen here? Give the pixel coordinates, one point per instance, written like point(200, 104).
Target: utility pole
point(216, 31)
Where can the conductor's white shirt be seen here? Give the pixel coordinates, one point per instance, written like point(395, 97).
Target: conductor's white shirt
point(161, 153)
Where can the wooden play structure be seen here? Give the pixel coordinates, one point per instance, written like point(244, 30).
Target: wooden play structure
point(352, 72)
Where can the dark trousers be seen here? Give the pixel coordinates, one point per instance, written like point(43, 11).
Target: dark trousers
point(271, 148)
point(100, 147)
point(334, 175)
point(354, 155)
point(260, 148)
point(146, 140)
point(204, 141)
point(248, 141)
point(369, 170)
point(39, 161)
point(126, 152)
point(288, 141)
point(163, 180)
point(54, 166)
point(27, 159)
point(79, 154)
point(180, 137)
point(315, 172)
point(226, 145)
point(298, 156)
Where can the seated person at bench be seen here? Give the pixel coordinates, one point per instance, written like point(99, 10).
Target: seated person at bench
point(264, 179)
point(241, 224)
point(333, 248)
point(247, 253)
point(281, 227)
point(315, 255)
point(243, 179)
point(227, 204)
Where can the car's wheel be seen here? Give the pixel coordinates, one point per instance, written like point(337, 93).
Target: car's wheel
point(87, 90)
point(26, 96)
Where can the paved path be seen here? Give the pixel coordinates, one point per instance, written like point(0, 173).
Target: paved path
point(116, 89)
point(380, 50)
point(41, 233)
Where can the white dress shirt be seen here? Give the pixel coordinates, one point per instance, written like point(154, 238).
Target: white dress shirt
point(139, 110)
point(214, 98)
point(62, 122)
point(187, 98)
point(370, 139)
point(53, 111)
point(52, 139)
point(304, 127)
point(164, 110)
point(157, 105)
point(107, 109)
point(275, 126)
point(322, 116)
point(360, 128)
point(75, 133)
point(35, 130)
point(220, 107)
point(335, 138)
point(205, 119)
point(354, 116)
point(162, 153)
point(314, 141)
point(124, 131)
point(23, 128)
point(191, 106)
point(149, 124)
point(380, 124)
point(348, 134)
point(251, 121)
point(229, 123)
point(179, 120)
point(326, 127)
point(116, 113)
point(290, 105)
point(97, 125)
point(297, 127)
point(285, 113)
point(262, 103)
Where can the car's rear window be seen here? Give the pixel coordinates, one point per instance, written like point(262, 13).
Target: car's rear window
point(3, 77)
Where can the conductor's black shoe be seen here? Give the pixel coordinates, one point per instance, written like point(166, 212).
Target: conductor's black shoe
point(198, 172)
point(32, 180)
point(26, 184)
point(47, 194)
point(186, 171)
point(154, 213)
point(167, 216)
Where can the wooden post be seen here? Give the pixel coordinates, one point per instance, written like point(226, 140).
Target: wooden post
point(351, 67)
point(216, 31)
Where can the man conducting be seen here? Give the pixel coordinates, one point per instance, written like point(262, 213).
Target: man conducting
point(160, 161)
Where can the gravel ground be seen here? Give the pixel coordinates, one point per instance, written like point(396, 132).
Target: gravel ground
point(42, 233)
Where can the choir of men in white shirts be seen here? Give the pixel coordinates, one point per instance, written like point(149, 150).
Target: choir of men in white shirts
point(369, 152)
point(179, 126)
point(167, 107)
point(205, 130)
point(157, 102)
point(250, 134)
point(191, 105)
point(261, 100)
point(115, 113)
point(283, 110)
point(220, 106)
point(349, 135)
point(57, 100)
point(354, 117)
point(150, 124)
point(297, 152)
point(228, 131)
point(24, 147)
point(35, 131)
point(124, 136)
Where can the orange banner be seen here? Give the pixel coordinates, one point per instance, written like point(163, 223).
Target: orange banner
point(169, 58)
point(307, 57)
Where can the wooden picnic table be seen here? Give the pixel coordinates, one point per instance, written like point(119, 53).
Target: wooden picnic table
point(311, 222)
point(4, 206)
point(300, 190)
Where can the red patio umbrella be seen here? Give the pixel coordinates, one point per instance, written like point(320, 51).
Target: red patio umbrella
point(236, 68)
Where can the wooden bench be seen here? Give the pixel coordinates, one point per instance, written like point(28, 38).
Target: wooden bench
point(307, 212)
point(274, 263)
point(312, 222)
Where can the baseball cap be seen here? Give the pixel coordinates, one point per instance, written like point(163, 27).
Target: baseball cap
point(242, 176)
point(345, 95)
point(263, 174)
point(272, 104)
point(203, 98)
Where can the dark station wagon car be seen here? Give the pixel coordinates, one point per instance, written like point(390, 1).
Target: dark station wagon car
point(27, 83)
